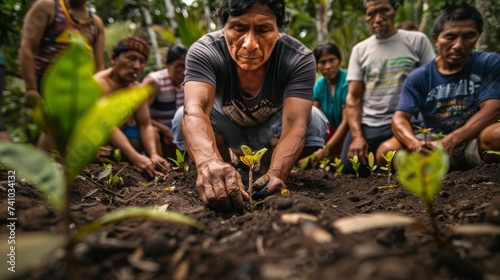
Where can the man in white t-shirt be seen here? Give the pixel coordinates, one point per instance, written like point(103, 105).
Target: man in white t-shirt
point(377, 69)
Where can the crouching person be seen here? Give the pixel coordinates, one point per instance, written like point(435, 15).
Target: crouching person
point(247, 84)
point(458, 94)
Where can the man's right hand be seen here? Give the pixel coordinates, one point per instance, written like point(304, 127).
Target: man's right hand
point(220, 187)
point(358, 147)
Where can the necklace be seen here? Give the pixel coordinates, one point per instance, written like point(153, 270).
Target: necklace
point(87, 21)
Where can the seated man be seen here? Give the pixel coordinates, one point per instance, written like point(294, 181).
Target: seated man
point(168, 96)
point(458, 94)
point(129, 59)
point(248, 84)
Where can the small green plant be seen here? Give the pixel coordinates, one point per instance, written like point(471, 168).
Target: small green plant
point(355, 164)
point(180, 162)
point(421, 174)
point(249, 158)
point(388, 158)
point(425, 131)
point(325, 164)
point(74, 113)
point(107, 173)
point(339, 167)
point(371, 163)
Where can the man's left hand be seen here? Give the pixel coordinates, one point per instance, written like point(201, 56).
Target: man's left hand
point(266, 185)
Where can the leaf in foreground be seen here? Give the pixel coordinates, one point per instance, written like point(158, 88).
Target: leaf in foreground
point(96, 125)
point(362, 223)
point(32, 250)
point(422, 174)
point(137, 213)
point(35, 166)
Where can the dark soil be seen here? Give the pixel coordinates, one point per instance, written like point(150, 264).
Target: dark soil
point(260, 245)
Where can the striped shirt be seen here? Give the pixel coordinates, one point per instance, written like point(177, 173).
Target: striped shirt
point(168, 98)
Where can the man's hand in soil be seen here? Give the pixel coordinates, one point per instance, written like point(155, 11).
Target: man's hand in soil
point(144, 164)
point(220, 187)
point(266, 185)
point(358, 147)
point(160, 162)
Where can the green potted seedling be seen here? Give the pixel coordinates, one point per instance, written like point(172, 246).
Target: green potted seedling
point(355, 164)
point(249, 158)
point(80, 121)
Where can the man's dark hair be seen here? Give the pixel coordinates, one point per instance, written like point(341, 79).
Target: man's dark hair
point(394, 3)
point(458, 12)
point(175, 52)
point(228, 8)
point(328, 47)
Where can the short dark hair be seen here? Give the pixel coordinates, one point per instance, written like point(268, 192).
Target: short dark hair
point(328, 47)
point(394, 3)
point(175, 52)
point(228, 8)
point(408, 25)
point(458, 12)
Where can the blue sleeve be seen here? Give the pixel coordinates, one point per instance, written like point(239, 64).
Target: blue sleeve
point(490, 86)
point(412, 92)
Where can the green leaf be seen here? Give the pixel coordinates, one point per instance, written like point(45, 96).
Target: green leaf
point(35, 166)
point(105, 172)
point(422, 174)
point(95, 127)
point(137, 213)
point(492, 152)
point(69, 90)
point(371, 160)
point(32, 250)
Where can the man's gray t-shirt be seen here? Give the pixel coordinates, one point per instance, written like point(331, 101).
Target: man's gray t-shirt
point(383, 65)
point(291, 72)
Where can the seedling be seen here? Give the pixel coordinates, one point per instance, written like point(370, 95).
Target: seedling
point(107, 173)
point(425, 131)
point(421, 174)
point(388, 158)
point(249, 158)
point(338, 165)
point(371, 163)
point(75, 115)
point(355, 164)
point(325, 164)
point(180, 163)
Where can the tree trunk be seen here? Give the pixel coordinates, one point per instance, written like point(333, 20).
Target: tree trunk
point(171, 18)
point(207, 13)
point(321, 23)
point(152, 36)
point(485, 41)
